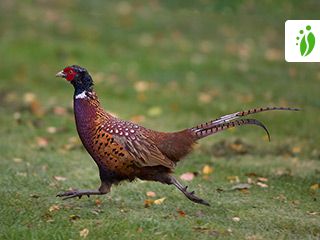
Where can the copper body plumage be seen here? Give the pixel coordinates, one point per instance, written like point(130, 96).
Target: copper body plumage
point(124, 150)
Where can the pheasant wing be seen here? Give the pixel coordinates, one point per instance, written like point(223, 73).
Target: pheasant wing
point(138, 144)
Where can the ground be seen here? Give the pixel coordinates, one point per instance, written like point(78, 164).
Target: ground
point(167, 65)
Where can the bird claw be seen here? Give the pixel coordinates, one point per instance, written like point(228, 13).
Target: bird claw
point(193, 197)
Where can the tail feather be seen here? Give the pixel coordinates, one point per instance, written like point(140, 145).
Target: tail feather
point(232, 120)
point(204, 132)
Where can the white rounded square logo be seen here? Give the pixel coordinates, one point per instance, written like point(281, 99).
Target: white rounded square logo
point(302, 40)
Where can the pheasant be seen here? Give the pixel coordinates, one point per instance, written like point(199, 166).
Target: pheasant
point(124, 150)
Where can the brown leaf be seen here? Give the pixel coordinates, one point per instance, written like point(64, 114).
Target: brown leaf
point(236, 219)
point(188, 176)
point(33, 104)
point(17, 160)
point(181, 213)
point(204, 97)
point(151, 194)
point(51, 129)
point(263, 185)
point(313, 213)
point(84, 232)
point(141, 86)
point(98, 202)
point(42, 142)
point(148, 202)
point(262, 179)
point(54, 208)
point(241, 186)
point(59, 111)
point(59, 178)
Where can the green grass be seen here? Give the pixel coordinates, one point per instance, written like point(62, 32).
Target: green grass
point(231, 51)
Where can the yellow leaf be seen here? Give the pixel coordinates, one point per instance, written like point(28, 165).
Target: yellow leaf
point(315, 187)
point(84, 232)
point(159, 201)
point(54, 208)
point(233, 179)
point(155, 111)
point(207, 169)
point(296, 149)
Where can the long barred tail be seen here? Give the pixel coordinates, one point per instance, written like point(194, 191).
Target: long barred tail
point(232, 120)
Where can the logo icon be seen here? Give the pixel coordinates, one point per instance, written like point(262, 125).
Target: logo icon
point(306, 41)
point(302, 40)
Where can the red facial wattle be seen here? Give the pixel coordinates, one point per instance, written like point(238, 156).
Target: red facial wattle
point(70, 73)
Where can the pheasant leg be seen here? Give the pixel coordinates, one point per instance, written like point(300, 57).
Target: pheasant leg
point(189, 195)
point(103, 189)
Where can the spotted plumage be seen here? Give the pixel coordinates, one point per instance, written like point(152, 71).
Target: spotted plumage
point(124, 150)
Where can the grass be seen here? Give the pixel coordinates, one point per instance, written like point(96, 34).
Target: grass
point(198, 60)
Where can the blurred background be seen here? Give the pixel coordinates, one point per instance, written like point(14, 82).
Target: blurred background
point(166, 65)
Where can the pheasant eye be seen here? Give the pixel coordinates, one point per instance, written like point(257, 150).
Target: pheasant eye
point(70, 71)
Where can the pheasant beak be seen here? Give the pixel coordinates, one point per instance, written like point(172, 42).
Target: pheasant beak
point(61, 74)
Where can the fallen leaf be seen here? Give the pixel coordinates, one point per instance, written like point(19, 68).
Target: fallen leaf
point(262, 179)
point(98, 202)
point(296, 149)
point(315, 187)
point(59, 178)
point(159, 201)
point(181, 213)
point(154, 111)
point(241, 186)
point(59, 111)
point(263, 185)
point(42, 142)
point(84, 232)
point(33, 104)
point(151, 194)
point(17, 160)
point(141, 86)
point(313, 213)
point(188, 176)
point(148, 202)
point(54, 208)
point(236, 219)
point(233, 179)
point(207, 170)
point(51, 129)
point(204, 97)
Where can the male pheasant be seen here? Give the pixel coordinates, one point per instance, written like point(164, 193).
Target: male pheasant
point(124, 150)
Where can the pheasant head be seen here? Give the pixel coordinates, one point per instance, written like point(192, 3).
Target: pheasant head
point(78, 77)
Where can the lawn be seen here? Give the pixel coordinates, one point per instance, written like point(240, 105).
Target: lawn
point(167, 65)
